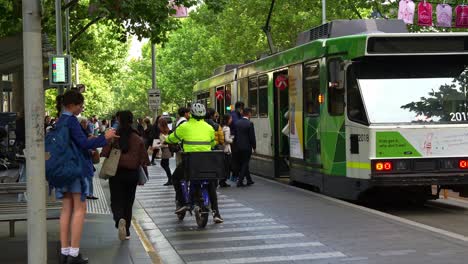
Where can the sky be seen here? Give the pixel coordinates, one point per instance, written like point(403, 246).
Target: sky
point(135, 48)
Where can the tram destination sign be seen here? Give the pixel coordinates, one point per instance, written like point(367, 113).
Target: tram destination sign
point(154, 99)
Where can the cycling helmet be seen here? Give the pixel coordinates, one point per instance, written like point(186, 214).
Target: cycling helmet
point(198, 110)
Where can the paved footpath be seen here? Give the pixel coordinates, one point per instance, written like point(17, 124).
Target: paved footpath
point(275, 223)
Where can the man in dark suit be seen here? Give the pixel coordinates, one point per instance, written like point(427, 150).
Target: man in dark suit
point(245, 143)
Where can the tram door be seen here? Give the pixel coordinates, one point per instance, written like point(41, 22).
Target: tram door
point(281, 141)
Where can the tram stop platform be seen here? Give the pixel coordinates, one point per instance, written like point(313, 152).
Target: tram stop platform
point(271, 222)
point(99, 242)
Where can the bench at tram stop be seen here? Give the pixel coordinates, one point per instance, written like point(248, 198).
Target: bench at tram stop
point(14, 209)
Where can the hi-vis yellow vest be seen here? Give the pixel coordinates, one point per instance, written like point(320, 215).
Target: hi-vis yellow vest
point(195, 135)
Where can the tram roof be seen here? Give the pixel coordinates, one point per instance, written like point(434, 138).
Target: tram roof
point(350, 47)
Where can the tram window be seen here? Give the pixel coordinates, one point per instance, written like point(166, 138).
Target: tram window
point(354, 104)
point(311, 89)
point(227, 97)
point(253, 95)
point(335, 100)
point(220, 102)
point(263, 96)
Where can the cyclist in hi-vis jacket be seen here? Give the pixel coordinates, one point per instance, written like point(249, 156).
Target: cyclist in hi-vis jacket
point(196, 136)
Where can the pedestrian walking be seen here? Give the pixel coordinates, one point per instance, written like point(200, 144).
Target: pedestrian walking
point(140, 128)
point(123, 185)
point(155, 136)
point(228, 141)
point(245, 143)
point(165, 152)
point(184, 115)
point(148, 133)
point(219, 135)
point(236, 115)
point(73, 196)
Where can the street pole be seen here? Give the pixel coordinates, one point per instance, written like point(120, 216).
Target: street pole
point(324, 11)
point(34, 116)
point(154, 85)
point(67, 30)
point(58, 32)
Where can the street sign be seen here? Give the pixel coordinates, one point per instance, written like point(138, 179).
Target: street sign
point(59, 70)
point(154, 99)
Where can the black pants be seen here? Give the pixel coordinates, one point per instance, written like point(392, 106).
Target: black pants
point(165, 166)
point(155, 152)
point(122, 189)
point(178, 175)
point(244, 159)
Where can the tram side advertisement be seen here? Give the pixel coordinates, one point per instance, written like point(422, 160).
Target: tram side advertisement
point(424, 142)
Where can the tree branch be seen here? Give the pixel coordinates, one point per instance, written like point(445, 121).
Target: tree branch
point(83, 29)
point(70, 4)
point(355, 10)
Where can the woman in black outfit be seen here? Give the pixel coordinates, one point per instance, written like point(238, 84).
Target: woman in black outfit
point(123, 185)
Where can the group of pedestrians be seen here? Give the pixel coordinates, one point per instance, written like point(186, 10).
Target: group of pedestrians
point(234, 134)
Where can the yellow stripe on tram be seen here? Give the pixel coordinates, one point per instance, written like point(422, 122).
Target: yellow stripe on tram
point(358, 165)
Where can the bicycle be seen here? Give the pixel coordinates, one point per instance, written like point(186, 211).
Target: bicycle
point(199, 169)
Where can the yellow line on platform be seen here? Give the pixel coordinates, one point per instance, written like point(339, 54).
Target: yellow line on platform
point(155, 259)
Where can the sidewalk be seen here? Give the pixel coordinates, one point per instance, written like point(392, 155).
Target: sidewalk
point(99, 242)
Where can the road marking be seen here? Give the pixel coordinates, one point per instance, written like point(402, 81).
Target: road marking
point(226, 230)
point(153, 205)
point(396, 252)
point(323, 255)
point(245, 221)
point(238, 238)
point(159, 219)
point(173, 199)
point(155, 259)
point(226, 217)
point(172, 207)
point(249, 248)
point(228, 210)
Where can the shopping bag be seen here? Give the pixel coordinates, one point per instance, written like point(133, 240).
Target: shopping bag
point(110, 164)
point(462, 16)
point(406, 11)
point(142, 177)
point(425, 14)
point(444, 15)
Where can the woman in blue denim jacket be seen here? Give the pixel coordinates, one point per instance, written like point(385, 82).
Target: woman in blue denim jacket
point(74, 195)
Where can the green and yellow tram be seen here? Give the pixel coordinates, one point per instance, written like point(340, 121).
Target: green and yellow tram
point(357, 106)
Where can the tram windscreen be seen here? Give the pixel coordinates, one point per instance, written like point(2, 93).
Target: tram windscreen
point(409, 95)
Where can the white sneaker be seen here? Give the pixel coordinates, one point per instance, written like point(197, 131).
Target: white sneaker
point(122, 229)
point(217, 219)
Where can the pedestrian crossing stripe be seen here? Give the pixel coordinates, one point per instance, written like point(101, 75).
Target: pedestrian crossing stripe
point(237, 238)
point(322, 255)
point(248, 248)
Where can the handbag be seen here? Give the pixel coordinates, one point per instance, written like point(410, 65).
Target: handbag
point(166, 153)
point(110, 164)
point(142, 177)
point(96, 156)
point(156, 144)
